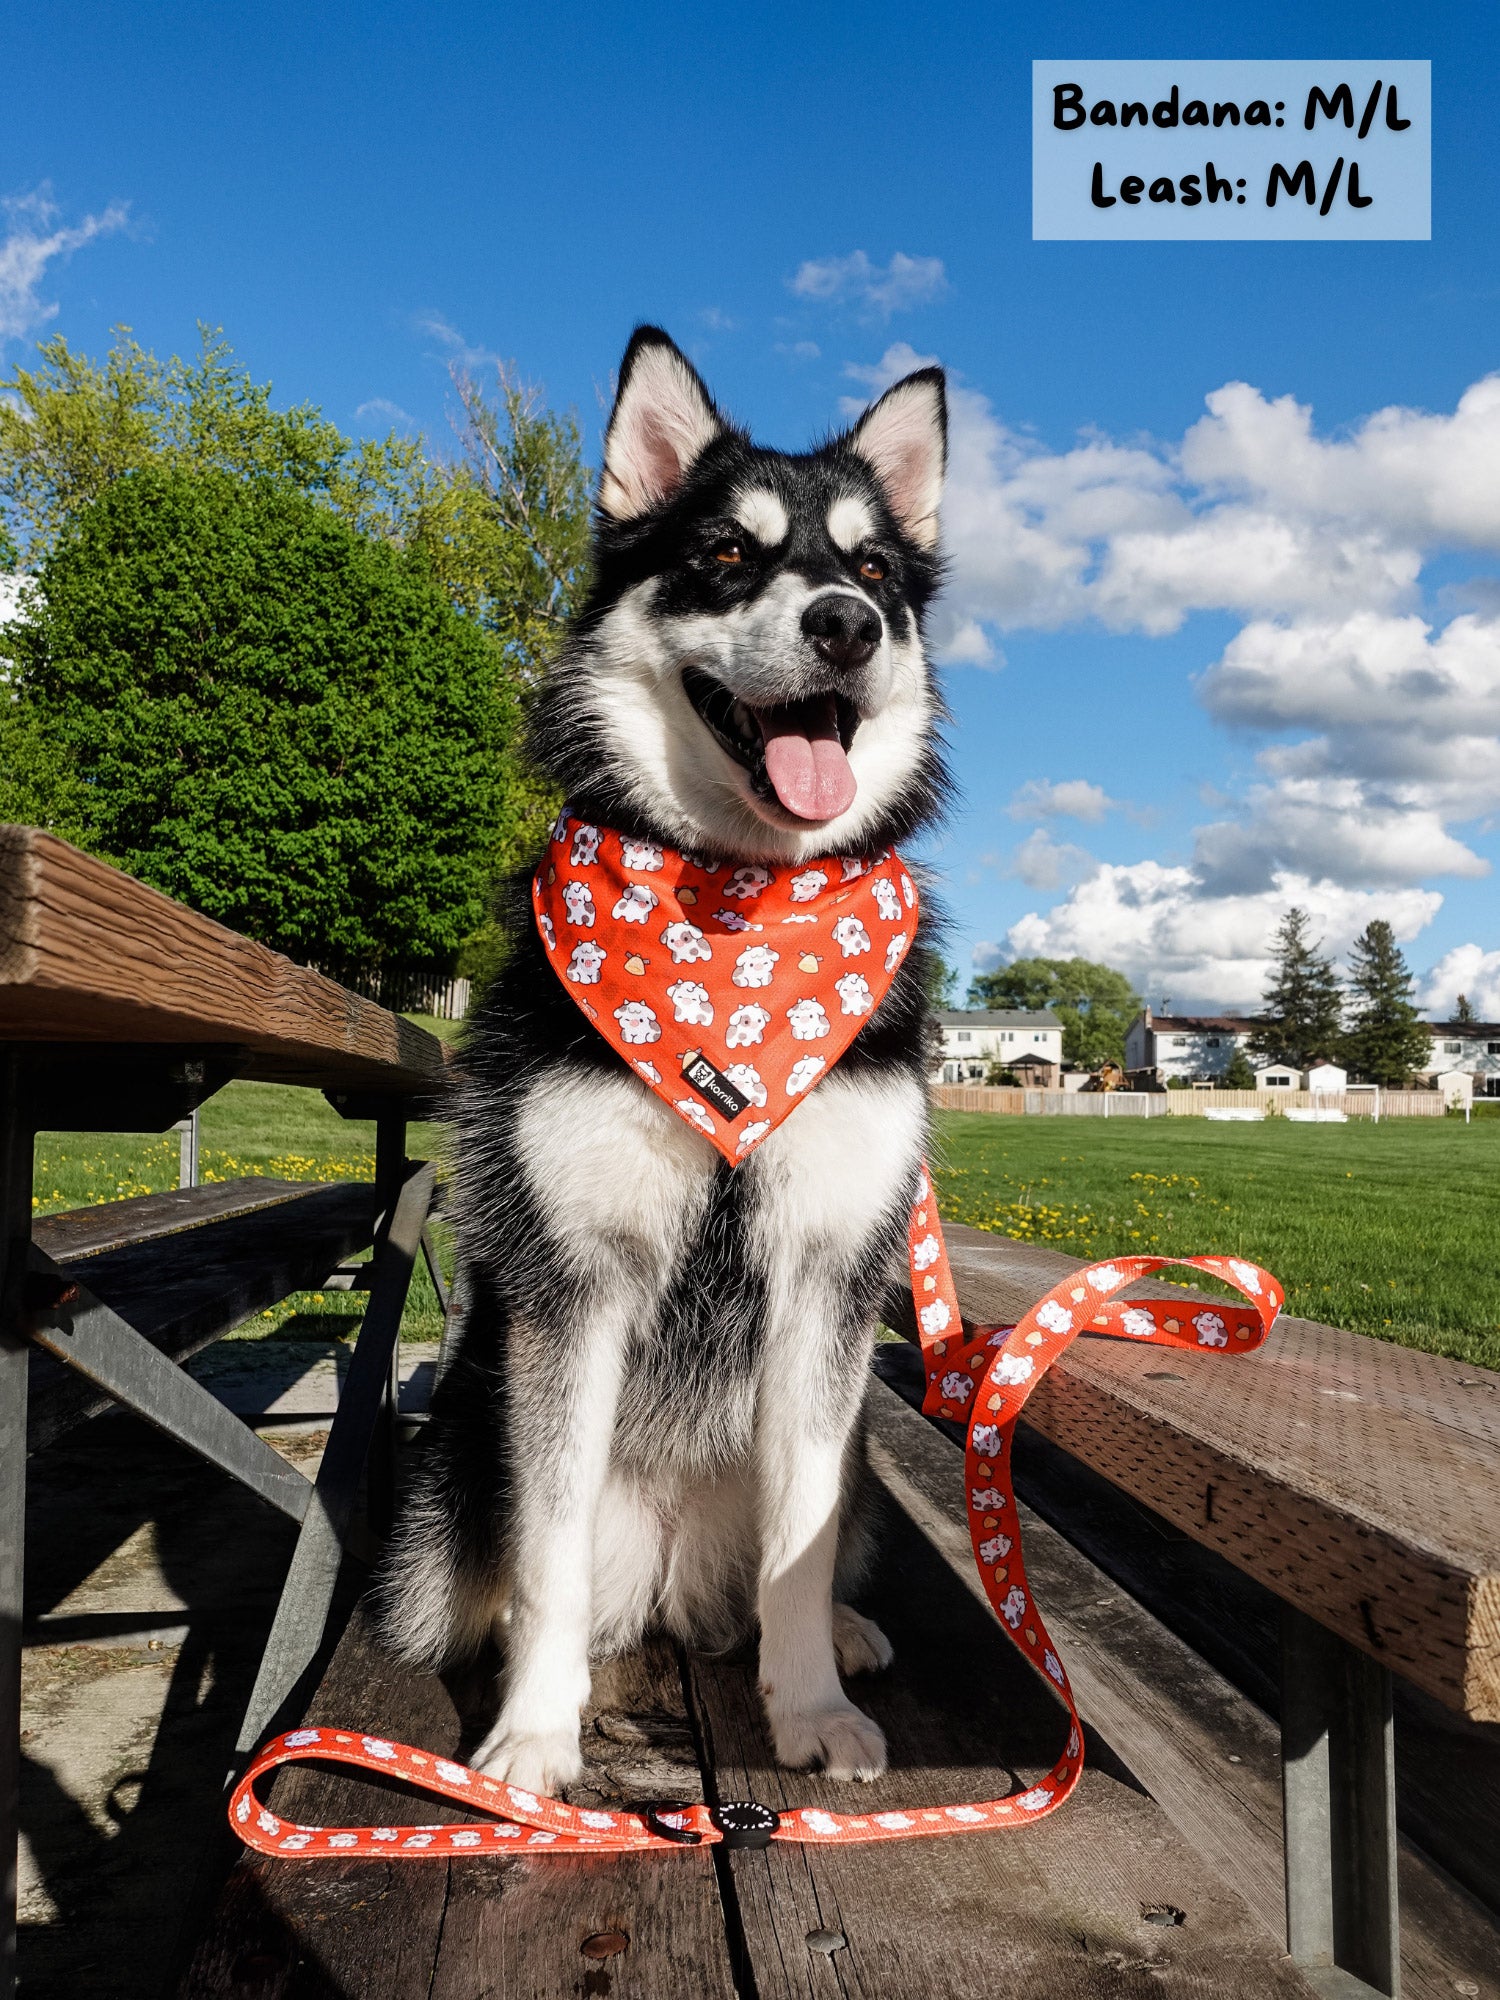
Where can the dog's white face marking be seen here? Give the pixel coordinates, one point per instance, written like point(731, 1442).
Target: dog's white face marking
point(850, 521)
point(681, 778)
point(758, 509)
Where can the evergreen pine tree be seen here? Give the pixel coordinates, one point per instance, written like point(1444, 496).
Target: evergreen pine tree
point(1300, 1018)
point(1463, 1011)
point(1238, 1075)
point(1385, 1040)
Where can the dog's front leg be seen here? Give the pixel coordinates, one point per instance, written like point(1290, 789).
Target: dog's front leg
point(564, 1392)
point(801, 1443)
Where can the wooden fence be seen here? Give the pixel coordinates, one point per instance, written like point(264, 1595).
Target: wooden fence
point(1181, 1103)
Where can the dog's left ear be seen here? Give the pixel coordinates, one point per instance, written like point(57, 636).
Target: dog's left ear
point(662, 422)
point(904, 438)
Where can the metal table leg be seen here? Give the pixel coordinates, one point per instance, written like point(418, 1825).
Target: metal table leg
point(1338, 1775)
point(16, 1140)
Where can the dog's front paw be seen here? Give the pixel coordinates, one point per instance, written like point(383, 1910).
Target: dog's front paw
point(535, 1761)
point(842, 1741)
point(859, 1645)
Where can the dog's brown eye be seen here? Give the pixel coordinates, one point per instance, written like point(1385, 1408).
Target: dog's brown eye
point(872, 569)
point(729, 552)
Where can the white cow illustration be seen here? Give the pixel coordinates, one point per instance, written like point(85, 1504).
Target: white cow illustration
point(1014, 1368)
point(560, 825)
point(887, 901)
point(649, 1071)
point(808, 1021)
point(693, 1110)
point(636, 903)
point(690, 1002)
point(894, 950)
point(1056, 1318)
point(987, 1440)
point(755, 965)
point(854, 994)
point(751, 1133)
point(640, 855)
point(1211, 1330)
point(747, 1081)
point(1138, 1323)
point(747, 1025)
point(851, 937)
point(686, 943)
point(934, 1317)
point(908, 891)
point(746, 883)
point(924, 1254)
point(1013, 1610)
point(1247, 1275)
point(804, 1073)
point(733, 921)
point(805, 886)
point(586, 840)
point(583, 966)
point(995, 1550)
point(578, 901)
point(545, 925)
point(854, 868)
point(638, 1023)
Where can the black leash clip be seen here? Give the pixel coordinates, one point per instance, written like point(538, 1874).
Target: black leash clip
point(683, 1836)
point(743, 1823)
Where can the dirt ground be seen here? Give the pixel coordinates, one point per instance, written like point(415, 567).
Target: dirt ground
point(151, 1582)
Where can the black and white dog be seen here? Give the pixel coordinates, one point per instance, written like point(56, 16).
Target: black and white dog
point(654, 1414)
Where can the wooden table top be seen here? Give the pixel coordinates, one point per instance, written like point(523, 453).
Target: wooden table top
point(90, 955)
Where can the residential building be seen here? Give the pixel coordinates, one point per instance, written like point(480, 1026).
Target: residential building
point(1194, 1047)
point(972, 1039)
point(1470, 1046)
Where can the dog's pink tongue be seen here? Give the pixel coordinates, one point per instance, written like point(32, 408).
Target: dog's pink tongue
point(805, 760)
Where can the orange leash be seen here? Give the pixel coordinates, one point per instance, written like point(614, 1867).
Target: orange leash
point(985, 1376)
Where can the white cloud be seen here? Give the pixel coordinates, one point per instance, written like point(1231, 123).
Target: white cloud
point(455, 345)
point(1073, 798)
point(875, 289)
point(1044, 863)
point(1161, 926)
point(33, 240)
point(382, 406)
point(1468, 969)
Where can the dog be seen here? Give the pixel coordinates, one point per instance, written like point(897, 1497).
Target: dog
point(653, 1414)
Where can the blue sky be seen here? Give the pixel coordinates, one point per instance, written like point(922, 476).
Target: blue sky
point(1201, 664)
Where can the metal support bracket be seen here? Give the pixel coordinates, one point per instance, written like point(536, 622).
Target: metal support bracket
point(302, 1615)
point(1338, 1776)
point(97, 1343)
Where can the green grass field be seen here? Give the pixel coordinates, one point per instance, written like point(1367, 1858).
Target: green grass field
point(249, 1128)
point(1388, 1229)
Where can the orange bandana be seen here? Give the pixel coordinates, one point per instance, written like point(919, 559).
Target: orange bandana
point(730, 990)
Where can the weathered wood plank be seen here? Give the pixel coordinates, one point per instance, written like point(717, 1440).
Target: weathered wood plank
point(1358, 1481)
point(142, 1218)
point(1053, 1909)
point(459, 1929)
point(87, 954)
point(184, 1290)
point(1206, 1754)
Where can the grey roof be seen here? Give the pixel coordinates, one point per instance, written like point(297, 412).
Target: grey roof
point(1212, 1024)
point(1005, 1017)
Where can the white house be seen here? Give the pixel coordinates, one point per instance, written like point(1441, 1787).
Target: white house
point(1327, 1076)
point(1470, 1046)
point(1195, 1047)
point(972, 1040)
point(1278, 1076)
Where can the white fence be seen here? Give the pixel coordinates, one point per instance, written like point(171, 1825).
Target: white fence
point(1182, 1103)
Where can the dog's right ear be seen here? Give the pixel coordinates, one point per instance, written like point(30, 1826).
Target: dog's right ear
point(662, 422)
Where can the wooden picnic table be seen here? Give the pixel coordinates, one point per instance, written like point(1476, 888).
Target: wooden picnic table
point(121, 1010)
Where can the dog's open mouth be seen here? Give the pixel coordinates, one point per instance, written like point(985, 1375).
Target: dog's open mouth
point(795, 752)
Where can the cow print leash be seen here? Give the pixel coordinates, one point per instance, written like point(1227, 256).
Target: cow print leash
point(980, 1375)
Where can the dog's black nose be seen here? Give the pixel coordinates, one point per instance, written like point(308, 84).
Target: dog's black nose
point(843, 627)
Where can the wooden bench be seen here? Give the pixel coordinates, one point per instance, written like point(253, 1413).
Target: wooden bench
point(120, 1010)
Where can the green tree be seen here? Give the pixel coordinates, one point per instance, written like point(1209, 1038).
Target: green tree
point(269, 715)
point(1385, 1040)
point(1238, 1075)
point(1303, 1004)
point(1094, 1003)
point(941, 980)
point(1462, 1010)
